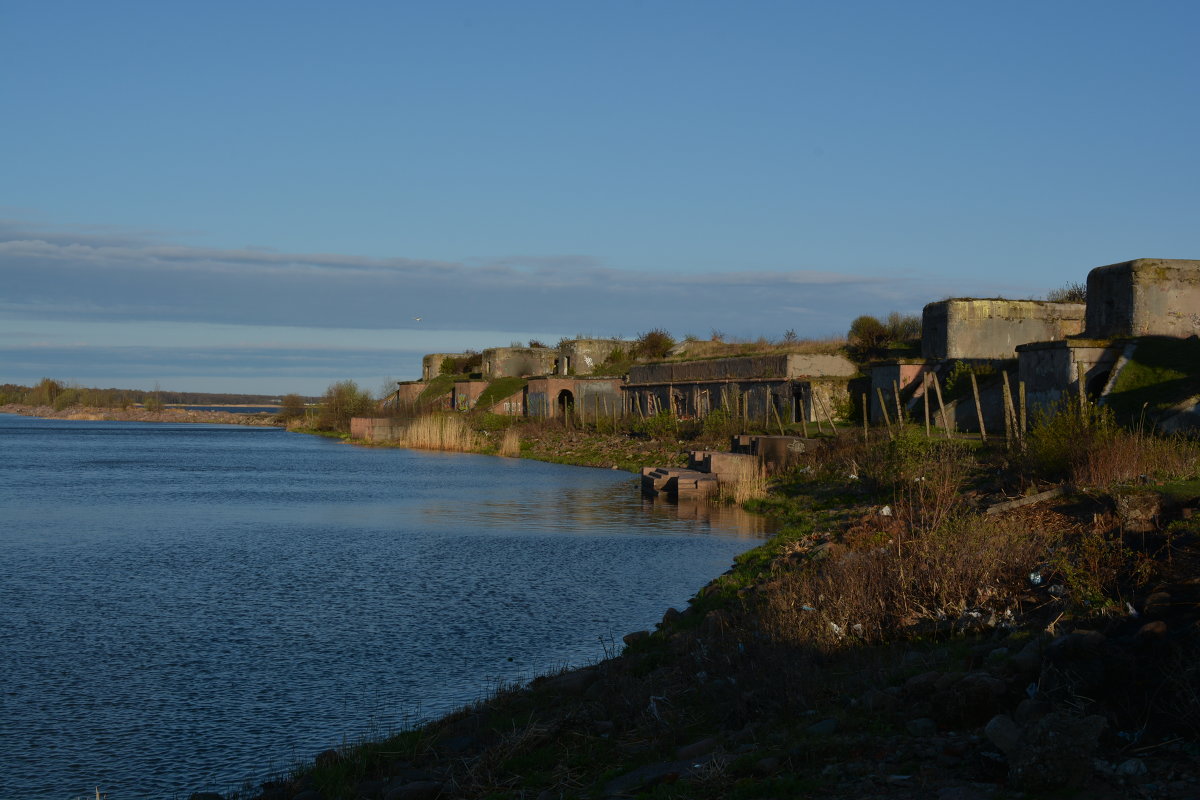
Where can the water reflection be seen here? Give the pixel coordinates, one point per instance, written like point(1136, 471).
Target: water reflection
point(620, 508)
point(183, 606)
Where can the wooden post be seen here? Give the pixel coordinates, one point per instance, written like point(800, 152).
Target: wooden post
point(925, 397)
point(937, 389)
point(883, 410)
point(828, 416)
point(866, 419)
point(1079, 382)
point(803, 409)
point(1010, 410)
point(1005, 406)
point(899, 409)
point(978, 407)
point(1023, 421)
point(778, 418)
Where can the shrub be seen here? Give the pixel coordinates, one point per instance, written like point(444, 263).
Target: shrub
point(468, 362)
point(340, 402)
point(879, 582)
point(911, 458)
point(292, 407)
point(902, 327)
point(658, 426)
point(653, 344)
point(867, 335)
point(1073, 292)
point(1060, 438)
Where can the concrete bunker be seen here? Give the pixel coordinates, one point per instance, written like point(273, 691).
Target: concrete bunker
point(1144, 297)
point(968, 328)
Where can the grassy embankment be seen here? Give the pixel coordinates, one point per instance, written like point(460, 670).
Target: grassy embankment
point(892, 640)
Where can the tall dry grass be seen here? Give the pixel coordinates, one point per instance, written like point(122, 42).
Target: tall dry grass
point(750, 484)
point(1087, 447)
point(439, 432)
point(879, 582)
point(1129, 456)
point(510, 443)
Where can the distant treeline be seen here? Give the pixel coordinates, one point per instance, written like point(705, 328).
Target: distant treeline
point(49, 392)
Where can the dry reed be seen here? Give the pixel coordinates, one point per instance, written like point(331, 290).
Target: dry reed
point(750, 484)
point(510, 443)
point(439, 432)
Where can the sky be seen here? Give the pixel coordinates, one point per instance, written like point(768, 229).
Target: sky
point(264, 197)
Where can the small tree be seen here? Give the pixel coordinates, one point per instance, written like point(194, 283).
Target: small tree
point(292, 407)
point(341, 401)
point(45, 393)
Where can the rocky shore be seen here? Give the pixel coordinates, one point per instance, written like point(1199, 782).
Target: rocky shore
point(138, 414)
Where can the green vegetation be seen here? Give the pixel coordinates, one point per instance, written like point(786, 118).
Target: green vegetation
point(898, 335)
point(469, 362)
point(653, 345)
point(341, 401)
point(499, 389)
point(958, 381)
point(1161, 372)
point(438, 386)
point(292, 407)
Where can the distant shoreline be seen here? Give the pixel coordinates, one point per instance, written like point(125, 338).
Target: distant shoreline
point(137, 414)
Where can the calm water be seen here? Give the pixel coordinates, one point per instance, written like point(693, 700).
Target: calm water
point(183, 607)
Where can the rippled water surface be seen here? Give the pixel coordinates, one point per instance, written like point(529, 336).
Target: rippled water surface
point(184, 607)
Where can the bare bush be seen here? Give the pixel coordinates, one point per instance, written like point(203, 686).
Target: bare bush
point(874, 586)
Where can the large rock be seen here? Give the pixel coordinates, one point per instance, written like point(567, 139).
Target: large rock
point(1053, 752)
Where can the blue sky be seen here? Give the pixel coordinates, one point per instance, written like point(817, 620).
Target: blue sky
point(262, 196)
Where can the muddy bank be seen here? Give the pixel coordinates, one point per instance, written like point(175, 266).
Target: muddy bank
point(134, 414)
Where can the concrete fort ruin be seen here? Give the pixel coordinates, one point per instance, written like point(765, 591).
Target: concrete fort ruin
point(993, 328)
point(783, 388)
point(1050, 349)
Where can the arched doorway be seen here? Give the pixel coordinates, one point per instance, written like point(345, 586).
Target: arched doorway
point(566, 403)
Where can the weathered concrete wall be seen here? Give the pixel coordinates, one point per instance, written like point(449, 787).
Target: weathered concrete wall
point(582, 356)
point(1050, 370)
point(405, 396)
point(774, 453)
point(518, 362)
point(549, 396)
point(375, 429)
point(909, 376)
point(1144, 297)
point(431, 365)
point(784, 365)
point(768, 402)
point(993, 329)
point(466, 393)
